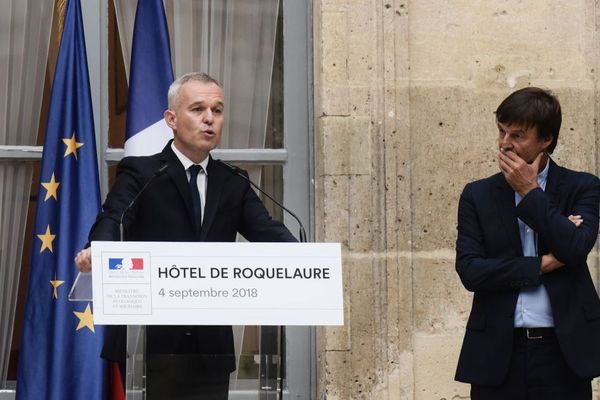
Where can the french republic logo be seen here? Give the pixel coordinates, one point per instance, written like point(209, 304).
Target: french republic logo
point(126, 264)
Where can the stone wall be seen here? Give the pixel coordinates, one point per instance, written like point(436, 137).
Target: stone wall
point(404, 100)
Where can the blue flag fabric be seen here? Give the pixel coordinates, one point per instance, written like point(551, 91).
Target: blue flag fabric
point(150, 75)
point(60, 347)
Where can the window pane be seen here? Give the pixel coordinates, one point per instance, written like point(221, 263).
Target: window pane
point(274, 130)
point(270, 179)
point(17, 208)
point(26, 70)
point(26, 35)
point(238, 42)
point(117, 84)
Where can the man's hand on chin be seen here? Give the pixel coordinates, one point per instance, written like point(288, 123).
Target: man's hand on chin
point(520, 175)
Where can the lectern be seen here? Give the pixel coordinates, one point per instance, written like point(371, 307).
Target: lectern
point(170, 294)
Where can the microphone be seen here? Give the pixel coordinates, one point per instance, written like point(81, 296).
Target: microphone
point(132, 202)
point(238, 171)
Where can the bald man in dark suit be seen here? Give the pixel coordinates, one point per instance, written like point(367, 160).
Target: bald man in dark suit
point(192, 198)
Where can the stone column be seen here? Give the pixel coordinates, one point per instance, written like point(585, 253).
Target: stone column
point(404, 99)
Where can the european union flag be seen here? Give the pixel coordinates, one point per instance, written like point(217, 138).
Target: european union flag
point(60, 350)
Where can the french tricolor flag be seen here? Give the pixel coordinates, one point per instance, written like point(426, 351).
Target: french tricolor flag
point(150, 75)
point(126, 263)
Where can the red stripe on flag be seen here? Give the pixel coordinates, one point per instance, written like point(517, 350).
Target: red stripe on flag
point(137, 263)
point(117, 389)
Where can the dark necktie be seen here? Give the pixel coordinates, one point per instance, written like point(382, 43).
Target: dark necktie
point(196, 202)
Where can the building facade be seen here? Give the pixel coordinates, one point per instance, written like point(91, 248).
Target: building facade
point(383, 112)
point(404, 99)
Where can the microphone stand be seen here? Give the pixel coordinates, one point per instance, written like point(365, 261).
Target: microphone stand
point(238, 171)
point(132, 202)
point(133, 377)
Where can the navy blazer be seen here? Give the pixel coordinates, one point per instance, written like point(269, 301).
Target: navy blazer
point(164, 212)
point(490, 263)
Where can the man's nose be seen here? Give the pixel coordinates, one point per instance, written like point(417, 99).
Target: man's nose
point(504, 142)
point(208, 116)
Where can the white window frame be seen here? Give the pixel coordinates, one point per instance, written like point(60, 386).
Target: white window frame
point(295, 158)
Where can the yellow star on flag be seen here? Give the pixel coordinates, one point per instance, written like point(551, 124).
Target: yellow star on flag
point(51, 188)
point(47, 239)
point(86, 319)
point(55, 284)
point(72, 146)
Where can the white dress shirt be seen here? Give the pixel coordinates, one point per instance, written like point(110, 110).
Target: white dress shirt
point(201, 181)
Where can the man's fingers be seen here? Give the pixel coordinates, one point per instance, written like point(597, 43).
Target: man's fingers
point(507, 157)
point(550, 263)
point(512, 157)
point(504, 167)
point(512, 161)
point(83, 260)
point(576, 219)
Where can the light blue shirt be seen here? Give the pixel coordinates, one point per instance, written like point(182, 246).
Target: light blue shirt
point(533, 306)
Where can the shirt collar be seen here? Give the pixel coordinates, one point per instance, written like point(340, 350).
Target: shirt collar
point(186, 162)
point(543, 176)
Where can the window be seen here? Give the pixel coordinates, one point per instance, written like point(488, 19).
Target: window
point(268, 85)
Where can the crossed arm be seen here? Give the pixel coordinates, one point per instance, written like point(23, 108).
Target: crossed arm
point(568, 239)
point(567, 243)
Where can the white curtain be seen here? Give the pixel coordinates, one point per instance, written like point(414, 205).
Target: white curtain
point(24, 39)
point(234, 42)
point(231, 40)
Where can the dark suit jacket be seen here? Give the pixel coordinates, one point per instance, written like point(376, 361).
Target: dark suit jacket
point(490, 262)
point(164, 212)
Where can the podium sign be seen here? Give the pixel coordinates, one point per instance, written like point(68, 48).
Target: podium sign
point(202, 283)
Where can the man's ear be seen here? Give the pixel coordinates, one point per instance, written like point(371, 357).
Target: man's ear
point(170, 118)
point(547, 142)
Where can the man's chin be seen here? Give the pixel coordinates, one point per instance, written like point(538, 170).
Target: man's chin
point(206, 142)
